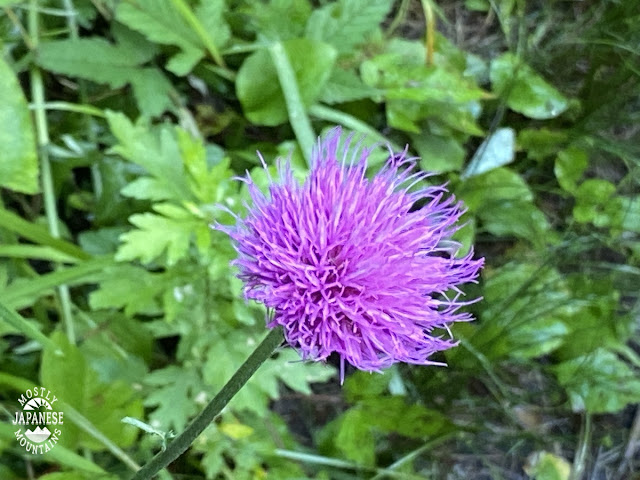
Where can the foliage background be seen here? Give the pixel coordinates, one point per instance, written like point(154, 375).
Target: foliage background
point(122, 125)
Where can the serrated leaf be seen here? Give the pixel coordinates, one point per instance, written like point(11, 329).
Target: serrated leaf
point(346, 23)
point(228, 353)
point(152, 91)
point(211, 15)
point(173, 397)
point(94, 59)
point(155, 150)
point(526, 91)
point(158, 234)
point(18, 157)
point(161, 22)
point(258, 87)
point(100, 61)
point(129, 287)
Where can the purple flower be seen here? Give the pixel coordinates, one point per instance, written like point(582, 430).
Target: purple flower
point(354, 265)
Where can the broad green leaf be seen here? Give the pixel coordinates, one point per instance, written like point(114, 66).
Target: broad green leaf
point(100, 61)
point(258, 87)
point(102, 404)
point(599, 382)
point(496, 151)
point(526, 92)
point(504, 203)
point(346, 23)
point(345, 86)
point(18, 157)
point(438, 153)
point(356, 428)
point(569, 167)
point(92, 58)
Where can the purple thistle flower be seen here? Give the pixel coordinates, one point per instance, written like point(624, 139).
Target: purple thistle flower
point(350, 264)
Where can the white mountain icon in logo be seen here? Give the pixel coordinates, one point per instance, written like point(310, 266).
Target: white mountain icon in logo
point(38, 435)
point(35, 403)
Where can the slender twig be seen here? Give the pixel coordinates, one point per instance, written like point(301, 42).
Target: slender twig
point(182, 442)
point(42, 132)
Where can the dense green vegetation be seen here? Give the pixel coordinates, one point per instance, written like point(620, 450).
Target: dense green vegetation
point(122, 125)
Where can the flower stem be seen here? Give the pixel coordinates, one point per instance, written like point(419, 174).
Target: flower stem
point(180, 444)
point(42, 131)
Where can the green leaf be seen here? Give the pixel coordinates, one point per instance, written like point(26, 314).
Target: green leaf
point(156, 234)
point(227, 353)
point(355, 436)
point(595, 203)
point(258, 86)
point(18, 157)
point(540, 143)
point(157, 151)
point(98, 60)
point(92, 58)
point(526, 91)
point(161, 22)
point(346, 23)
point(504, 203)
point(210, 13)
point(152, 91)
point(102, 404)
point(346, 86)
point(569, 167)
point(599, 382)
point(547, 466)
point(280, 19)
point(438, 153)
point(130, 287)
point(496, 151)
point(173, 396)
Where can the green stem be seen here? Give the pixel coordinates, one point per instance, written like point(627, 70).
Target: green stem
point(430, 30)
point(583, 448)
point(42, 131)
point(298, 117)
point(182, 442)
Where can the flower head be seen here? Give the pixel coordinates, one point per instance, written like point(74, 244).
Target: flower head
point(354, 265)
